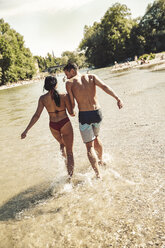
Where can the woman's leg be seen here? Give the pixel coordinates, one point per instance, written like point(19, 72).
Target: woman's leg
point(58, 137)
point(67, 135)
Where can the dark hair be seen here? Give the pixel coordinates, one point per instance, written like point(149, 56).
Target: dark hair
point(50, 83)
point(71, 66)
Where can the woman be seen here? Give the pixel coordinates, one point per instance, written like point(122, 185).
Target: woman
point(56, 104)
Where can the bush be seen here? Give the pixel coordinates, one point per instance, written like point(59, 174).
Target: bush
point(0, 76)
point(152, 56)
point(147, 56)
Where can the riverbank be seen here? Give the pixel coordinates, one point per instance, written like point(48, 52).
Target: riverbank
point(157, 64)
point(23, 82)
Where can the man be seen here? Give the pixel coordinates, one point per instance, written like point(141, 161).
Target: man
point(83, 89)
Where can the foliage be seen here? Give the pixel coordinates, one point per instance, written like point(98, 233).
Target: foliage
point(147, 56)
point(0, 75)
point(152, 56)
point(74, 57)
point(51, 61)
point(117, 37)
point(106, 41)
point(16, 61)
point(152, 27)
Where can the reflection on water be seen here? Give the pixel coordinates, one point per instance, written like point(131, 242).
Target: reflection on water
point(39, 208)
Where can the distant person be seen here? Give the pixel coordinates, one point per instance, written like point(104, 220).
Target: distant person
point(83, 89)
point(56, 104)
point(116, 64)
point(162, 57)
point(136, 59)
point(142, 61)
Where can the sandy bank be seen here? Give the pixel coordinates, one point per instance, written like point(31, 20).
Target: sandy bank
point(155, 64)
point(23, 82)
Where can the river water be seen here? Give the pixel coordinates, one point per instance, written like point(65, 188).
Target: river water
point(38, 208)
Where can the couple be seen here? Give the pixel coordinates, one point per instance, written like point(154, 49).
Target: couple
point(81, 88)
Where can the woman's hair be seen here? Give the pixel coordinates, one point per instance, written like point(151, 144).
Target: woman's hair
point(50, 83)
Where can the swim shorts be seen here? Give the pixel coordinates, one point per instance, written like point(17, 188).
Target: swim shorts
point(89, 124)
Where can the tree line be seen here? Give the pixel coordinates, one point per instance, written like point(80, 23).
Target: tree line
point(117, 37)
point(50, 60)
point(17, 62)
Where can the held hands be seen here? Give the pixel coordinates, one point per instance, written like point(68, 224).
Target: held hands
point(119, 103)
point(23, 135)
point(73, 114)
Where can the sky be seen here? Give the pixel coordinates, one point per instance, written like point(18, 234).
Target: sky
point(58, 25)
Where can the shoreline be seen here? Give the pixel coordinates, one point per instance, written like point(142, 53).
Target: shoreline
point(21, 83)
point(156, 64)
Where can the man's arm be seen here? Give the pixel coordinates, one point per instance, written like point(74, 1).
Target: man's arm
point(68, 105)
point(69, 90)
point(34, 118)
point(108, 90)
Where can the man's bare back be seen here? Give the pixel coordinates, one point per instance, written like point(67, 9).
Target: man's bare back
point(83, 88)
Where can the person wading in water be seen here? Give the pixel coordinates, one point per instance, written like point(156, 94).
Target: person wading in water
point(82, 88)
point(56, 104)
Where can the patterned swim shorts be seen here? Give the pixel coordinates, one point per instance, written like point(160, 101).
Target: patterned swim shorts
point(89, 124)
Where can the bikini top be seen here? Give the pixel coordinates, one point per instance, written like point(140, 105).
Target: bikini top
point(57, 111)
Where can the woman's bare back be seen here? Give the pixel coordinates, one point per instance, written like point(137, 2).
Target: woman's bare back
point(55, 113)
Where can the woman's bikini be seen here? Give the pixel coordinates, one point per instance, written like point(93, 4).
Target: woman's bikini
point(59, 124)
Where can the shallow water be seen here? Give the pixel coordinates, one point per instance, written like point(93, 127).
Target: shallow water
point(38, 208)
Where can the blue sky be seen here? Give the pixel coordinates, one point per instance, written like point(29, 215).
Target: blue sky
point(57, 25)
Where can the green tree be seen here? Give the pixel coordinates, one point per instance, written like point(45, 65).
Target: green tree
point(46, 62)
point(136, 43)
point(152, 27)
point(94, 45)
point(106, 41)
point(16, 61)
point(74, 57)
point(41, 62)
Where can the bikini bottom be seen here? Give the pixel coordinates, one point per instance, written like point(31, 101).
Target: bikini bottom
point(58, 125)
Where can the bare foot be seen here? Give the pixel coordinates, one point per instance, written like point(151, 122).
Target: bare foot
point(68, 180)
point(102, 163)
point(98, 176)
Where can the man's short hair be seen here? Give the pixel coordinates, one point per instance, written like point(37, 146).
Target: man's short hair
point(71, 66)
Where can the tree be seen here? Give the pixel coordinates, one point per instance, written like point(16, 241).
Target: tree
point(152, 27)
point(136, 42)
point(74, 57)
point(106, 41)
point(16, 61)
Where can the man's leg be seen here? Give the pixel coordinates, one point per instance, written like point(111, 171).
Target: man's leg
point(99, 149)
point(93, 157)
point(97, 143)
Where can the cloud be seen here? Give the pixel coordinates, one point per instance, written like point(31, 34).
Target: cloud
point(18, 7)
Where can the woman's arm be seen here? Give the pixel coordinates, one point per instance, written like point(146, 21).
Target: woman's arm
point(35, 118)
point(69, 91)
point(69, 106)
